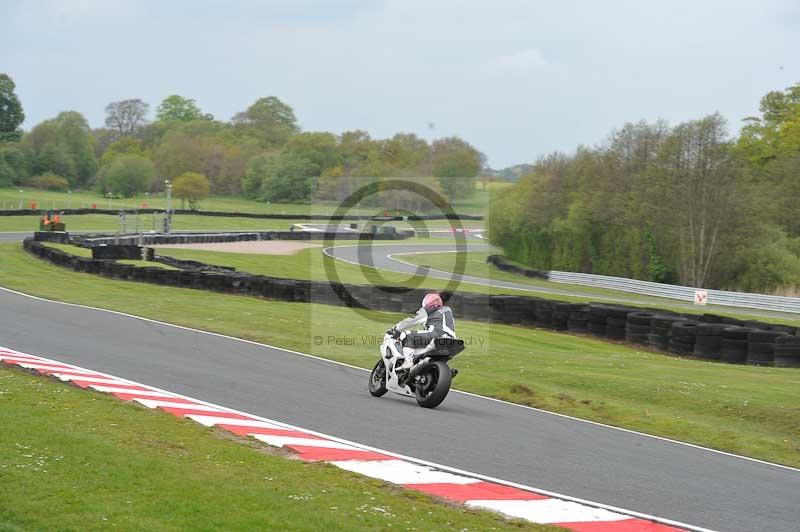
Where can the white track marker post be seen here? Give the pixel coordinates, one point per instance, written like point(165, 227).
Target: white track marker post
point(700, 297)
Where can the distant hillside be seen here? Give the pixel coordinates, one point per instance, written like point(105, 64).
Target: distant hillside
point(510, 173)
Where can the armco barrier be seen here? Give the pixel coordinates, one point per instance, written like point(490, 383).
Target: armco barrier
point(648, 288)
point(663, 330)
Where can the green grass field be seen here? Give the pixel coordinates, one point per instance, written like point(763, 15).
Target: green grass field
point(73, 459)
point(146, 222)
point(743, 409)
point(10, 198)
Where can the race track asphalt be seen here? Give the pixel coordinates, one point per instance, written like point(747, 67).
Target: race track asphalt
point(551, 452)
point(381, 256)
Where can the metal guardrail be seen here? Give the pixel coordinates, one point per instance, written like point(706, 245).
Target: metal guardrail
point(683, 293)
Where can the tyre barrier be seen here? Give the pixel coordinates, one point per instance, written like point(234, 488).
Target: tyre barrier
point(761, 346)
point(703, 336)
point(504, 266)
point(708, 340)
point(683, 335)
point(62, 237)
point(787, 352)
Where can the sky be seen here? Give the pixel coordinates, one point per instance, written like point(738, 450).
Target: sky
point(517, 79)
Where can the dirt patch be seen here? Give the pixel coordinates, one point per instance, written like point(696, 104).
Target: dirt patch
point(259, 247)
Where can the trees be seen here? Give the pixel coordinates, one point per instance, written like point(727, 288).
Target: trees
point(191, 187)
point(126, 117)
point(457, 165)
point(284, 178)
point(695, 188)
point(770, 146)
point(63, 145)
point(669, 204)
point(14, 168)
point(11, 114)
point(322, 149)
point(204, 147)
point(124, 146)
point(179, 109)
point(269, 120)
point(127, 175)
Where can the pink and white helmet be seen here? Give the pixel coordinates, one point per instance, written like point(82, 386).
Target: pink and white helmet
point(432, 300)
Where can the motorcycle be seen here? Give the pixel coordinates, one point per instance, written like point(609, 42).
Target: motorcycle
point(428, 379)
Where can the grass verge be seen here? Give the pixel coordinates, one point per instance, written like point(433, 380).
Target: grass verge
point(46, 199)
point(748, 410)
point(101, 463)
point(181, 222)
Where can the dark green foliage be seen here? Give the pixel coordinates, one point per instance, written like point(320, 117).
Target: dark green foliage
point(683, 205)
point(63, 145)
point(127, 175)
point(11, 114)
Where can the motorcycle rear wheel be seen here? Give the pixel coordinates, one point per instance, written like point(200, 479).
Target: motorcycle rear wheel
point(377, 379)
point(437, 379)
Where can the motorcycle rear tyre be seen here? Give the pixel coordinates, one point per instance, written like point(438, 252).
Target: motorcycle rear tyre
point(443, 378)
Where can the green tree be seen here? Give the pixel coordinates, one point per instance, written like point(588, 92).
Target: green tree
point(14, 167)
point(179, 109)
point(457, 165)
point(127, 175)
point(63, 145)
point(11, 114)
point(257, 167)
point(125, 146)
point(191, 187)
point(284, 178)
point(405, 154)
point(320, 148)
point(269, 120)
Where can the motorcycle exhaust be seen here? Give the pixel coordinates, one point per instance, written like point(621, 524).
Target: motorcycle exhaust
point(413, 372)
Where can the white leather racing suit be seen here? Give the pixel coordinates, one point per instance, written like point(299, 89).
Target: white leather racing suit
point(437, 322)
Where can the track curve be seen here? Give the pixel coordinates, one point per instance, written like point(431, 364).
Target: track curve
point(389, 257)
point(611, 466)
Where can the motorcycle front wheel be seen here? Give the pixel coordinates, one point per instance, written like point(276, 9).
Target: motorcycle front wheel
point(377, 379)
point(433, 384)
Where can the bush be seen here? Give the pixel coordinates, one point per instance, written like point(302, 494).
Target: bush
point(49, 181)
point(191, 187)
point(127, 175)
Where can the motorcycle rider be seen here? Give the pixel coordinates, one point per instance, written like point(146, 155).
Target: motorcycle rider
point(438, 321)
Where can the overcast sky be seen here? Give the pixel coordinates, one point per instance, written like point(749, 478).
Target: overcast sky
point(517, 79)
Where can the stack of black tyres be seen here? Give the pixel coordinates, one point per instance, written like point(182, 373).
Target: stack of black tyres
point(578, 318)
point(598, 314)
point(544, 313)
point(761, 347)
point(787, 352)
point(661, 330)
point(683, 335)
point(734, 344)
point(561, 312)
point(638, 327)
point(617, 322)
point(708, 342)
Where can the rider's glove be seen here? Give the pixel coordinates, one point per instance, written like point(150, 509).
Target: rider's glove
point(392, 332)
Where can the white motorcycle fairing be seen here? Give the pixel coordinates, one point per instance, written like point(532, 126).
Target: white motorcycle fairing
point(391, 354)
